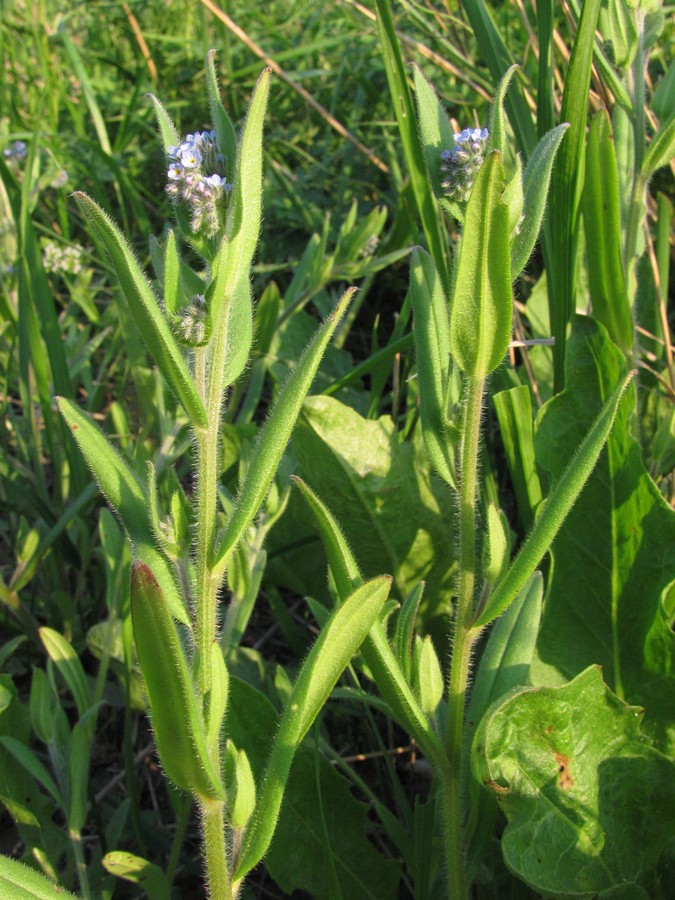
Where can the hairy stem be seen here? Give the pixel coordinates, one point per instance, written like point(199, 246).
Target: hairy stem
point(217, 867)
point(463, 638)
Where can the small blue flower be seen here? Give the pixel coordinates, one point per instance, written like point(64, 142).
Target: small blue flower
point(190, 157)
point(460, 164)
point(176, 172)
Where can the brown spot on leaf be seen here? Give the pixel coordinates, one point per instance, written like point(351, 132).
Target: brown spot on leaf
point(498, 789)
point(565, 780)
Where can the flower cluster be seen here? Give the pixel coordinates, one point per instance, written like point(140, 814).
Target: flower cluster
point(460, 165)
point(15, 151)
point(197, 176)
point(62, 259)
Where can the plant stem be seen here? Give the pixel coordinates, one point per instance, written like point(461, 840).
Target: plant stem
point(217, 867)
point(463, 639)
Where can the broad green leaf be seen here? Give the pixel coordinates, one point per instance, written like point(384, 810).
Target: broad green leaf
point(602, 224)
point(176, 716)
point(587, 798)
point(298, 856)
point(482, 308)
point(338, 641)
point(274, 435)
point(145, 310)
point(568, 180)
point(124, 493)
point(19, 882)
point(431, 327)
point(535, 185)
point(435, 131)
point(579, 463)
point(138, 871)
point(357, 463)
point(616, 554)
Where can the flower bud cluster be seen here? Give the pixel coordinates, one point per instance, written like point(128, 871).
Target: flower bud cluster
point(197, 177)
point(192, 322)
point(62, 259)
point(460, 165)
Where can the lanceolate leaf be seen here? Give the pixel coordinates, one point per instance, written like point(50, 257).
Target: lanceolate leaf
point(20, 881)
point(338, 641)
point(176, 716)
point(145, 311)
point(480, 319)
point(386, 671)
point(497, 115)
point(431, 327)
point(320, 818)
point(225, 134)
point(436, 132)
point(556, 508)
point(602, 223)
point(535, 185)
point(126, 495)
point(567, 183)
point(275, 433)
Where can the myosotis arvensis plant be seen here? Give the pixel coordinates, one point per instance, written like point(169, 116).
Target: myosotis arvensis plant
point(459, 344)
point(200, 337)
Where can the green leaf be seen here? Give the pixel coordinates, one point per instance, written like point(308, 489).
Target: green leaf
point(298, 856)
point(68, 665)
point(514, 411)
point(568, 180)
point(579, 463)
point(602, 224)
point(229, 296)
point(384, 667)
point(497, 126)
point(138, 871)
point(125, 494)
point(435, 131)
point(225, 134)
point(482, 308)
point(587, 798)
point(661, 150)
point(431, 327)
point(616, 554)
point(427, 208)
point(358, 462)
point(504, 665)
point(80, 753)
point(176, 716)
point(145, 311)
point(274, 435)
point(19, 882)
point(535, 186)
point(338, 641)
point(167, 130)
